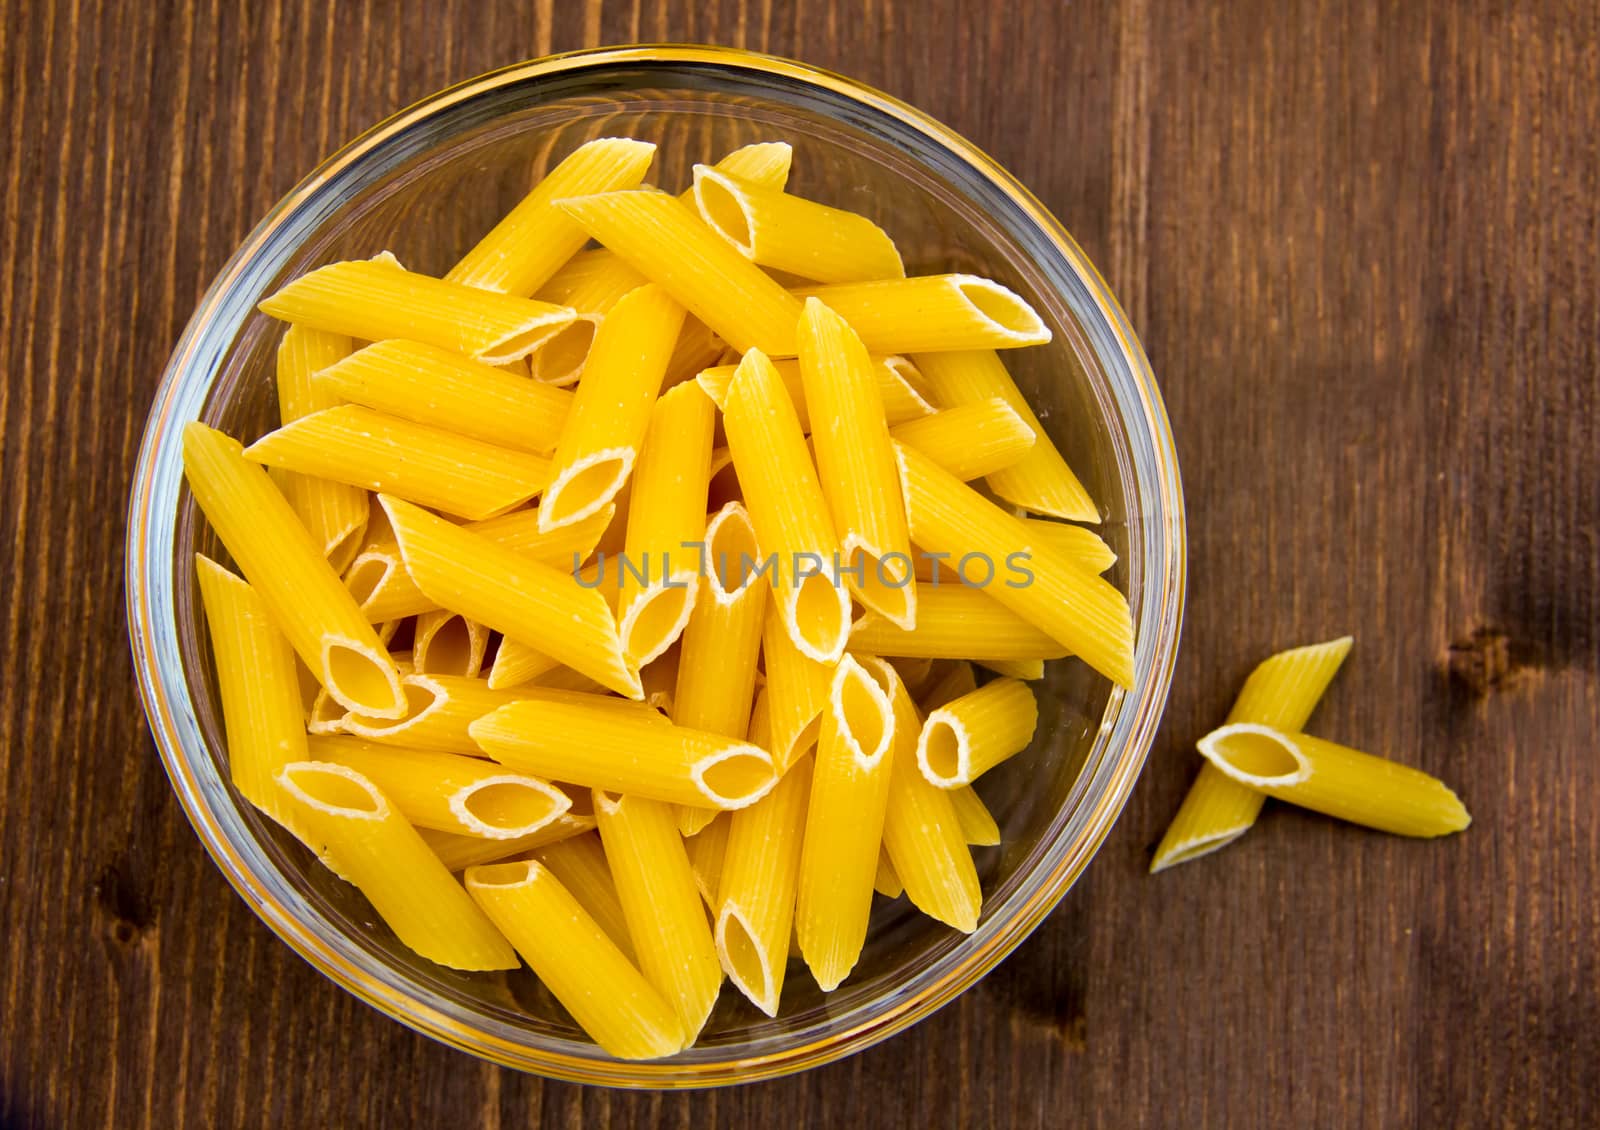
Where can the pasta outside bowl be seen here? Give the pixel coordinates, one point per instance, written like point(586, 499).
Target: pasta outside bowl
point(425, 184)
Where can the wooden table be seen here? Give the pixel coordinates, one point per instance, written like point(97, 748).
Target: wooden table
point(1364, 252)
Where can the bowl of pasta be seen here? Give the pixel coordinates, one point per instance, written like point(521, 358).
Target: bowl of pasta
point(656, 567)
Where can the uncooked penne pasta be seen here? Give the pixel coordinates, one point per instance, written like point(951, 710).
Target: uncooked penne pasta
point(512, 593)
point(571, 954)
point(1028, 670)
point(796, 691)
point(885, 881)
point(1282, 692)
point(1085, 547)
point(956, 621)
point(373, 301)
point(288, 571)
point(844, 823)
point(1041, 481)
point(787, 233)
point(964, 739)
point(579, 862)
point(707, 847)
point(434, 387)
point(458, 853)
point(934, 313)
point(1335, 780)
point(516, 663)
point(416, 462)
point(605, 745)
point(447, 643)
point(787, 508)
point(971, 440)
point(666, 918)
point(901, 402)
point(1082, 612)
point(448, 792)
point(365, 840)
point(535, 238)
point(856, 465)
point(334, 514)
point(440, 709)
point(662, 238)
point(977, 825)
point(611, 410)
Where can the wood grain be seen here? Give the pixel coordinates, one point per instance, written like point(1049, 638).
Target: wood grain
point(1361, 244)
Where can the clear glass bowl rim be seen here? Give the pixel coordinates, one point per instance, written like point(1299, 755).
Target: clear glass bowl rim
point(151, 621)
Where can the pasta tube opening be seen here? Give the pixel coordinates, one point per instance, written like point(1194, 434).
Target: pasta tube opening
point(745, 961)
point(360, 680)
point(369, 573)
point(904, 390)
point(861, 708)
point(517, 873)
point(584, 487)
point(447, 643)
point(1256, 755)
point(818, 614)
point(1008, 314)
point(736, 776)
point(559, 361)
point(655, 617)
point(503, 807)
point(334, 789)
point(945, 752)
point(423, 697)
point(724, 209)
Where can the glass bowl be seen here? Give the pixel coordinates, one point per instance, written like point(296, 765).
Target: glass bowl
point(425, 184)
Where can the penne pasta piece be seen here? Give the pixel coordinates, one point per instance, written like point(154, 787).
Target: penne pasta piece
point(796, 693)
point(289, 573)
point(954, 621)
point(901, 403)
point(756, 895)
point(561, 359)
point(334, 514)
point(440, 708)
point(787, 508)
point(1041, 481)
point(663, 909)
point(707, 848)
point(605, 744)
point(977, 825)
point(390, 455)
point(971, 440)
point(439, 389)
point(659, 571)
point(517, 663)
point(364, 839)
point(458, 853)
point(844, 823)
point(885, 881)
point(577, 962)
point(1335, 780)
point(611, 411)
point(535, 238)
point(257, 683)
point(447, 643)
point(662, 238)
point(933, 313)
point(1085, 547)
point(1082, 612)
point(447, 792)
point(579, 862)
point(1028, 670)
point(591, 282)
point(773, 229)
point(512, 593)
point(958, 680)
point(373, 300)
point(923, 837)
point(1282, 692)
point(856, 465)
point(660, 679)
point(379, 581)
point(966, 738)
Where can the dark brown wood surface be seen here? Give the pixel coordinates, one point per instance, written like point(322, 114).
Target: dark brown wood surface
point(1362, 244)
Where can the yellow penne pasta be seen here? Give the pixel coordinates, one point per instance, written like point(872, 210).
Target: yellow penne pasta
point(956, 680)
point(257, 683)
point(288, 571)
point(1282, 692)
point(787, 508)
point(977, 825)
point(964, 739)
point(756, 896)
point(856, 465)
point(901, 402)
point(1041, 481)
point(1028, 670)
point(578, 963)
point(844, 823)
point(663, 908)
point(591, 282)
point(432, 386)
point(512, 593)
point(447, 643)
point(334, 514)
point(373, 301)
point(605, 745)
point(579, 862)
point(659, 572)
point(458, 853)
point(561, 359)
point(609, 415)
point(885, 881)
point(971, 440)
point(440, 708)
point(796, 691)
point(1085, 547)
point(663, 239)
point(933, 313)
point(707, 847)
point(1335, 780)
point(528, 246)
point(771, 228)
point(379, 581)
point(448, 792)
point(1082, 612)
point(365, 840)
point(516, 663)
point(955, 621)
